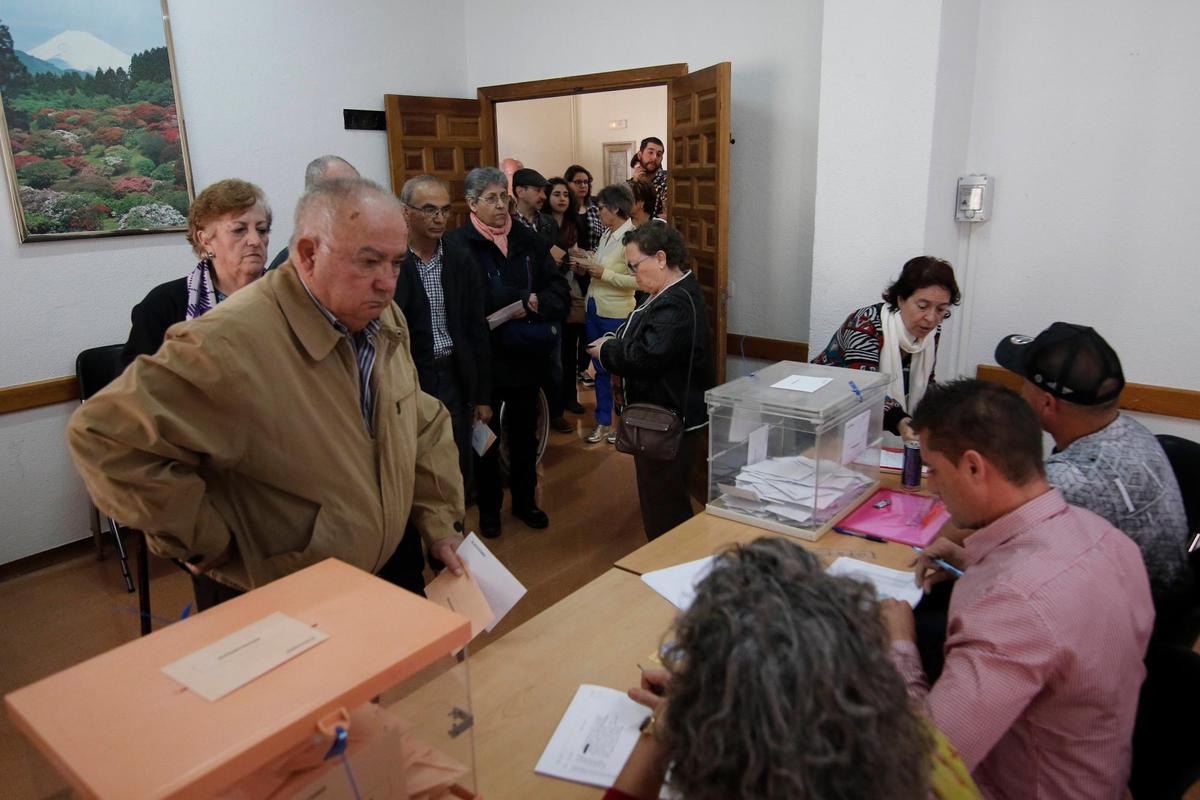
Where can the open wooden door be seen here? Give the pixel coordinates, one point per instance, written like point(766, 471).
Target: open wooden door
point(440, 136)
point(698, 127)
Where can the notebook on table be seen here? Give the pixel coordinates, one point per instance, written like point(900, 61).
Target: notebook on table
point(907, 518)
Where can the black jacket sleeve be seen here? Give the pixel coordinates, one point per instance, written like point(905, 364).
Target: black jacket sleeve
point(410, 296)
point(478, 335)
point(554, 294)
point(659, 340)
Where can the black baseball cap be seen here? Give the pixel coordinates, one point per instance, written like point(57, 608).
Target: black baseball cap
point(1069, 361)
point(528, 177)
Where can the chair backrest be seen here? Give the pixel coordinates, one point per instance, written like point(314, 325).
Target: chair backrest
point(1165, 760)
point(1184, 456)
point(96, 367)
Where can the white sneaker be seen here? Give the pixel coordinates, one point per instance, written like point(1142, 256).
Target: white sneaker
point(599, 434)
point(612, 437)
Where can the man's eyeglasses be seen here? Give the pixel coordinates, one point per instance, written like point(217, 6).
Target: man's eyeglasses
point(432, 212)
point(494, 199)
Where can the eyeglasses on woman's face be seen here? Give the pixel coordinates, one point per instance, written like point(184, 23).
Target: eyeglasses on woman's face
point(581, 181)
point(494, 199)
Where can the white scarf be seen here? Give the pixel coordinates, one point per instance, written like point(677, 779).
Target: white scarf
point(897, 339)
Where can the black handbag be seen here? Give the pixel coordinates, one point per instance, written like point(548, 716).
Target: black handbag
point(528, 336)
point(653, 431)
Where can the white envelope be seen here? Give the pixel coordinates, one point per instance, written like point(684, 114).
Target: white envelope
point(501, 589)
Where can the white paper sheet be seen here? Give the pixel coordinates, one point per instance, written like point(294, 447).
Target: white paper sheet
point(482, 437)
point(678, 583)
point(893, 583)
point(801, 383)
point(503, 315)
point(230, 663)
point(594, 738)
point(756, 447)
point(501, 589)
point(854, 436)
point(894, 459)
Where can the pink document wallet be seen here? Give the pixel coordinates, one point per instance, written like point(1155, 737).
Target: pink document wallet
point(907, 518)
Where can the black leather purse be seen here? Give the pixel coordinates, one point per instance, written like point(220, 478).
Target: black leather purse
point(653, 431)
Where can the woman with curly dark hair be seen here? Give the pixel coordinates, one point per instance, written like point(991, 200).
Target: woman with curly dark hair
point(778, 684)
point(899, 336)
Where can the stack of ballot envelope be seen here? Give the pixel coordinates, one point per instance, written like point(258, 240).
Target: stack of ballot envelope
point(794, 489)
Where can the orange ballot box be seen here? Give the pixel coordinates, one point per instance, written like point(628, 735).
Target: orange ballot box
point(267, 695)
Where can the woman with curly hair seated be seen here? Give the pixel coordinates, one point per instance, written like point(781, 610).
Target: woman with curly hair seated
point(778, 684)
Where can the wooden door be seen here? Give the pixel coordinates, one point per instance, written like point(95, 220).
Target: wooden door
point(439, 136)
point(698, 181)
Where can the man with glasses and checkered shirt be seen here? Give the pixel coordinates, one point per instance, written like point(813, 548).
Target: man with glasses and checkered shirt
point(444, 288)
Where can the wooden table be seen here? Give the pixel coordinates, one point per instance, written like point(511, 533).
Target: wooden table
point(522, 683)
point(705, 534)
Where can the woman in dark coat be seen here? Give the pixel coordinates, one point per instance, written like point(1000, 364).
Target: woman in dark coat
point(663, 355)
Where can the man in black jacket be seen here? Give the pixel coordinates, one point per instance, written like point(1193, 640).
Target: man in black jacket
point(518, 274)
point(439, 288)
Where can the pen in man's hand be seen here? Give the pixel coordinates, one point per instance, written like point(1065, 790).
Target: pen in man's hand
point(943, 563)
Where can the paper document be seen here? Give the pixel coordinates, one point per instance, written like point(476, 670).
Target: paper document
point(595, 737)
point(462, 595)
point(499, 586)
point(678, 583)
point(227, 664)
point(893, 583)
point(894, 459)
point(801, 383)
point(482, 437)
point(756, 449)
point(854, 436)
point(503, 315)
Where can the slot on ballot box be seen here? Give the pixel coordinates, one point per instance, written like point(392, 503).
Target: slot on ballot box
point(794, 447)
point(339, 716)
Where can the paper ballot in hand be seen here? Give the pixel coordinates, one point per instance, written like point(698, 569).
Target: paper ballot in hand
point(482, 437)
point(499, 586)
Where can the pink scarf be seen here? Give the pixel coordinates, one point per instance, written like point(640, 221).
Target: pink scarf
point(497, 236)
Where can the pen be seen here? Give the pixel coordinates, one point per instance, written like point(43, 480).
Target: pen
point(1195, 543)
point(866, 536)
point(857, 392)
point(943, 563)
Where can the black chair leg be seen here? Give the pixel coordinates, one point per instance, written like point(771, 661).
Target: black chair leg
point(144, 582)
point(116, 532)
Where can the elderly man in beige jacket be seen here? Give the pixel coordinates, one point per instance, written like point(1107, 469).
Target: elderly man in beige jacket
point(286, 426)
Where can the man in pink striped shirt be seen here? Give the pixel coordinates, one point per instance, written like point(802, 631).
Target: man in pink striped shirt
point(1047, 626)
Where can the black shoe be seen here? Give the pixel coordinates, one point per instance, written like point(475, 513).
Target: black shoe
point(489, 526)
point(533, 516)
point(575, 408)
point(561, 425)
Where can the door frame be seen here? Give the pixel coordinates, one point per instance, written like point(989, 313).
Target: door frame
point(557, 87)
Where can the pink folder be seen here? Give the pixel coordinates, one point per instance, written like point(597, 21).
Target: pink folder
point(908, 518)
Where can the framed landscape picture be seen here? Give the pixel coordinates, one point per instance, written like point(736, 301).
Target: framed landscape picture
point(92, 131)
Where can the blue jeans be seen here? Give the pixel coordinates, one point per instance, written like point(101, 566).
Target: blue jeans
point(597, 326)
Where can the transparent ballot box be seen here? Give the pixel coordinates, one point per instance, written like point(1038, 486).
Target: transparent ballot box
point(794, 447)
point(303, 688)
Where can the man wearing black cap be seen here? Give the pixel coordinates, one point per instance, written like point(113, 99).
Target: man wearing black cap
point(1103, 460)
point(529, 189)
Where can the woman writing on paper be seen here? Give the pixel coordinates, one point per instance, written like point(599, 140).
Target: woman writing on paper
point(899, 336)
point(777, 683)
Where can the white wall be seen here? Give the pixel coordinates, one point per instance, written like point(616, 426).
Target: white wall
point(540, 133)
point(775, 51)
point(879, 67)
point(263, 86)
point(644, 110)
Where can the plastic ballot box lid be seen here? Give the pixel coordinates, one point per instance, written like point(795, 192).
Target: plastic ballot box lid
point(117, 726)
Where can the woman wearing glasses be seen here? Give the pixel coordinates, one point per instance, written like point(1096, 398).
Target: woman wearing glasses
point(519, 277)
point(591, 228)
point(895, 336)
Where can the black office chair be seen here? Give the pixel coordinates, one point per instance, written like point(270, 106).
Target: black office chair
point(1166, 763)
point(1184, 456)
point(95, 368)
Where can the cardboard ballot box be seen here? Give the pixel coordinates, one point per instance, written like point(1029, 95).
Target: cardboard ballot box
point(273, 676)
point(794, 447)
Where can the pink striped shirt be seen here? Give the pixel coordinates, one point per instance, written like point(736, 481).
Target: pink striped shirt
point(1044, 646)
